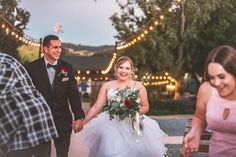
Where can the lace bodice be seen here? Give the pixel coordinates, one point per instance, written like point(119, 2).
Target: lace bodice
point(111, 93)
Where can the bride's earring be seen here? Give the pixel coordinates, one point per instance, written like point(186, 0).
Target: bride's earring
point(115, 77)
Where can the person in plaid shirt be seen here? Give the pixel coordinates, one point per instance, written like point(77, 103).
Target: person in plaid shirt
point(26, 122)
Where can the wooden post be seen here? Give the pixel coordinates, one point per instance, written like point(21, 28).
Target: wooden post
point(40, 47)
point(116, 47)
point(95, 88)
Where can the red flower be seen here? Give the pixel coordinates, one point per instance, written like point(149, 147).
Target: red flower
point(128, 104)
point(63, 72)
point(63, 69)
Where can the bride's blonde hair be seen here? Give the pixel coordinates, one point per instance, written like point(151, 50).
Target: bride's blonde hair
point(122, 60)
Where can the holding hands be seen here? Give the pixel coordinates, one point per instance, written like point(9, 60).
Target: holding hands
point(77, 125)
point(191, 144)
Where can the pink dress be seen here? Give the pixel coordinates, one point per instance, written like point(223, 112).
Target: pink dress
point(223, 139)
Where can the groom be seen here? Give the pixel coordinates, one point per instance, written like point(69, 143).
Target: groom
point(55, 79)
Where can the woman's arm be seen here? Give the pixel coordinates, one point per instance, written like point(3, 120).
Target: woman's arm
point(199, 119)
point(192, 139)
point(99, 104)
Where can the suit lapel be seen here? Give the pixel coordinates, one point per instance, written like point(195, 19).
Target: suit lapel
point(57, 80)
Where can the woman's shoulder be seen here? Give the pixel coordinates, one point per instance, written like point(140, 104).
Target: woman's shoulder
point(108, 84)
point(138, 85)
point(205, 90)
point(205, 87)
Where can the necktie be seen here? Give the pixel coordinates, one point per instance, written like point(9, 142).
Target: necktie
point(51, 66)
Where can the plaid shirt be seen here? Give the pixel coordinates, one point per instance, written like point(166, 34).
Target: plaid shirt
point(25, 118)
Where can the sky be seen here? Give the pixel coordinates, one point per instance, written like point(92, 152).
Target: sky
point(83, 22)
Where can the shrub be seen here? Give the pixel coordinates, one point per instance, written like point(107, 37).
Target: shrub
point(171, 107)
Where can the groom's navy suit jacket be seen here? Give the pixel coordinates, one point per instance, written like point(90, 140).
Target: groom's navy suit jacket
point(63, 92)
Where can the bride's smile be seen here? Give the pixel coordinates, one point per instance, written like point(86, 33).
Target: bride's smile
point(124, 71)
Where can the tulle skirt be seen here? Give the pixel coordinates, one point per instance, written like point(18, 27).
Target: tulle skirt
point(115, 138)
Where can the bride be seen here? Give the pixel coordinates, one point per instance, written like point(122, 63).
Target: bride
point(109, 135)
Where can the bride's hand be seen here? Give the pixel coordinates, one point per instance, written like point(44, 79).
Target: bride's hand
point(77, 125)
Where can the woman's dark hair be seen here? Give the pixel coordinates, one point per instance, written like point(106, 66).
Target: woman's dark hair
point(225, 55)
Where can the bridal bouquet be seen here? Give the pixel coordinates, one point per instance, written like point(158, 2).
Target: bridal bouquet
point(126, 103)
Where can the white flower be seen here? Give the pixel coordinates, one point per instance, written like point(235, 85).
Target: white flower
point(122, 104)
point(118, 99)
point(138, 100)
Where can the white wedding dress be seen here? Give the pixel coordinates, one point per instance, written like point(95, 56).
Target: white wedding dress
point(115, 138)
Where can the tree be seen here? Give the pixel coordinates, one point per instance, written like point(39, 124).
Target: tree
point(152, 51)
point(12, 16)
point(181, 43)
point(220, 29)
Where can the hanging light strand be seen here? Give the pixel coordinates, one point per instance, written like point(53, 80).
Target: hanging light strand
point(157, 20)
point(11, 30)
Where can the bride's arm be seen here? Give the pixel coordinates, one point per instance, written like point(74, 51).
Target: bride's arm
point(144, 100)
point(97, 107)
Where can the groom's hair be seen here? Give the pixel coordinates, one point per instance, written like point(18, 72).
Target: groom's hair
point(47, 39)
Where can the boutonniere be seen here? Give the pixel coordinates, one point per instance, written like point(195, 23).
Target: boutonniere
point(63, 72)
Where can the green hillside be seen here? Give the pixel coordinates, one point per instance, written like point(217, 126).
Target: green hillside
point(28, 53)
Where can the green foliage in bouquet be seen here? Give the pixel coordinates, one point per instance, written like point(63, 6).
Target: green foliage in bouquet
point(125, 103)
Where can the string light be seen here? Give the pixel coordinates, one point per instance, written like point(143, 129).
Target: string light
point(157, 80)
point(166, 80)
point(110, 64)
point(150, 26)
point(11, 30)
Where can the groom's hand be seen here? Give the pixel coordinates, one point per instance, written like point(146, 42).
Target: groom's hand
point(77, 125)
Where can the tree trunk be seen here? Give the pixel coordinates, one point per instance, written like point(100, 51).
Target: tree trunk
point(179, 61)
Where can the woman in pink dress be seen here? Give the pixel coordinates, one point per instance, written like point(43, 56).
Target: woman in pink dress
point(216, 105)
